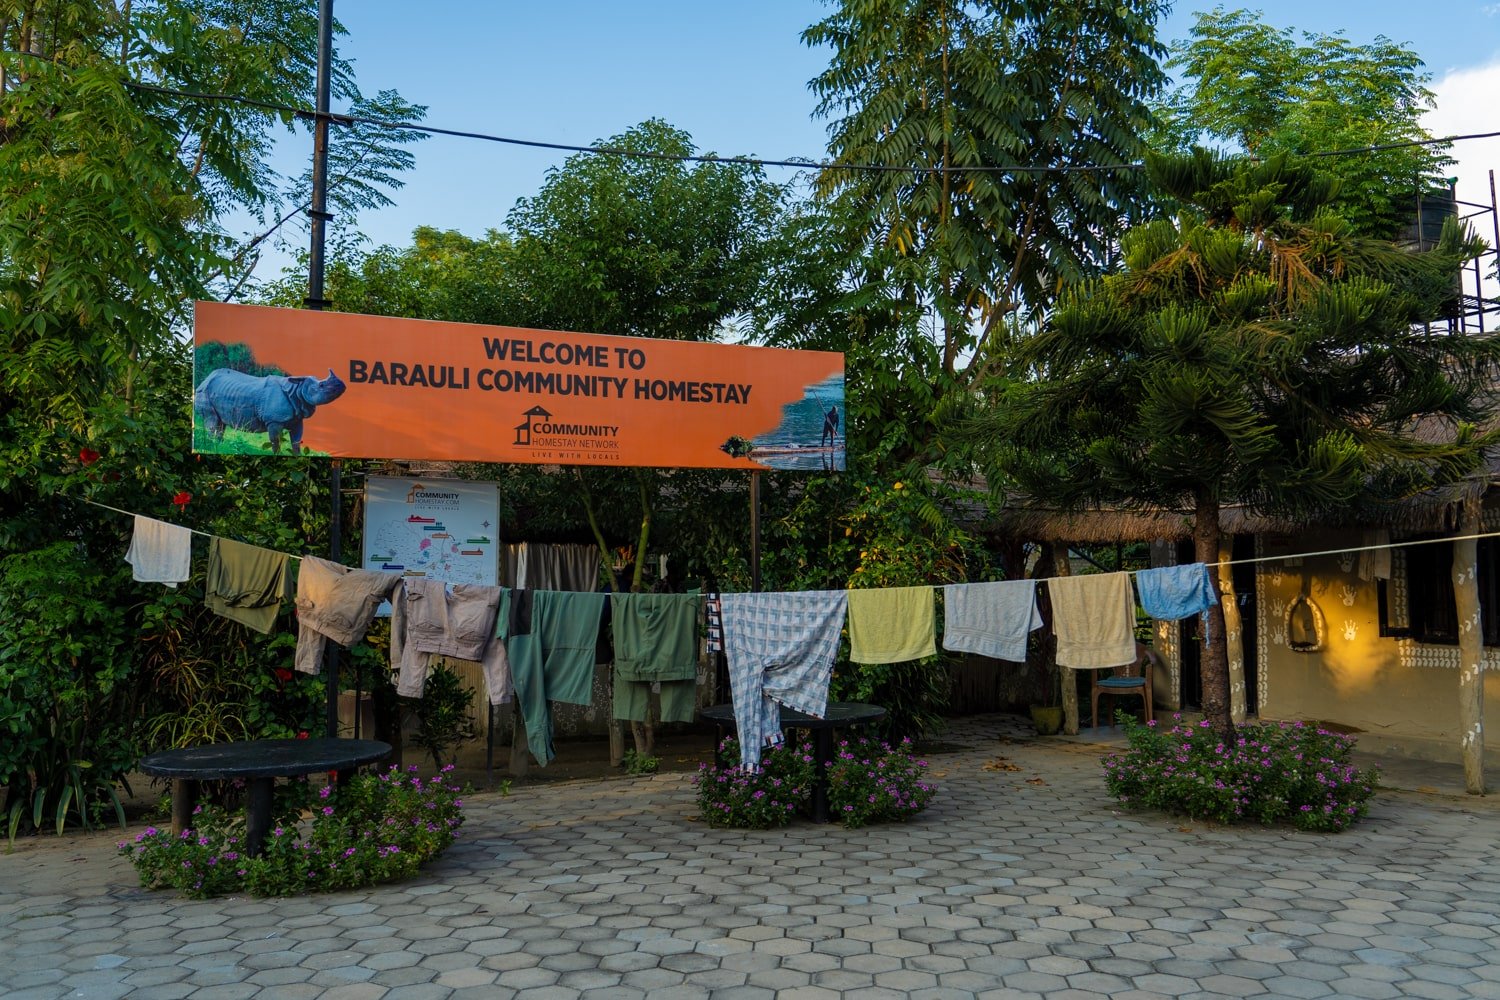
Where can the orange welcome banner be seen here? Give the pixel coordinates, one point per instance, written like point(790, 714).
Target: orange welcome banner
point(283, 381)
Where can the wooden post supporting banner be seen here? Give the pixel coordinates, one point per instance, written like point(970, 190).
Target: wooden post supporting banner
point(1470, 645)
point(755, 530)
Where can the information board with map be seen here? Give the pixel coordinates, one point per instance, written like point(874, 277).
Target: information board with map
point(443, 529)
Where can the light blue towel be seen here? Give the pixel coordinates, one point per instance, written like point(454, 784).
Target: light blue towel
point(1174, 592)
point(991, 619)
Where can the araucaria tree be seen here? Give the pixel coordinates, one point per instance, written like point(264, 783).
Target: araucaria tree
point(1252, 351)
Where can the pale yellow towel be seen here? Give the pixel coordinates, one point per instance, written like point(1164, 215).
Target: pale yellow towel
point(1093, 618)
point(891, 625)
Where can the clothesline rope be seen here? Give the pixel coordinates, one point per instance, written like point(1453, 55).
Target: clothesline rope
point(1348, 550)
point(205, 534)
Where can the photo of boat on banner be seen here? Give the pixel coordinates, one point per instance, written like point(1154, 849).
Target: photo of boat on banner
point(809, 438)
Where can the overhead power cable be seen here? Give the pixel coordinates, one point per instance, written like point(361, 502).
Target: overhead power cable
point(750, 161)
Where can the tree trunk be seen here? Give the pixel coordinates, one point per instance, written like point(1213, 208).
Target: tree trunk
point(606, 558)
point(1215, 659)
point(1069, 681)
point(1470, 645)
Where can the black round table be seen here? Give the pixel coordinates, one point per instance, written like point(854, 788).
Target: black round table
point(261, 762)
point(838, 715)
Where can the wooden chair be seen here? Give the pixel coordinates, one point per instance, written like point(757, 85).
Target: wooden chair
point(1132, 678)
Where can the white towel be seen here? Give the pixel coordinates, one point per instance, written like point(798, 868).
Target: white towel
point(159, 552)
point(1093, 618)
point(991, 619)
point(1375, 564)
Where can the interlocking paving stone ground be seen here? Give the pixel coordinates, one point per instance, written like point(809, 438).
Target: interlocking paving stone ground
point(1015, 883)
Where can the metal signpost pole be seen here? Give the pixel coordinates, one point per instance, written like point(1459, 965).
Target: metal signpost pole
point(319, 216)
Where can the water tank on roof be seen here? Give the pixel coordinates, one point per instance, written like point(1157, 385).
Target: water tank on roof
point(1432, 209)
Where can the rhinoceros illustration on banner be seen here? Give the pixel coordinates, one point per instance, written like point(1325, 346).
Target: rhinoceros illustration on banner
point(270, 403)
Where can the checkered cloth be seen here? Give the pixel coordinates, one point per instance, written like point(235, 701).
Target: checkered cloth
point(781, 649)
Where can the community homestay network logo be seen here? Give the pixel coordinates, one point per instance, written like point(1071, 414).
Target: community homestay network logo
point(556, 439)
point(421, 496)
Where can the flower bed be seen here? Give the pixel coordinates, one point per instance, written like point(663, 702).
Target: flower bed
point(761, 800)
point(1269, 773)
point(868, 782)
point(871, 781)
point(375, 828)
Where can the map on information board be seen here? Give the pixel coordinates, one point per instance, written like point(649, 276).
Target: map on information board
point(443, 529)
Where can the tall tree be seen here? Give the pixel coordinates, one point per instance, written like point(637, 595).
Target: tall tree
point(940, 94)
point(1258, 89)
point(113, 201)
point(643, 245)
point(101, 238)
point(263, 53)
point(1253, 351)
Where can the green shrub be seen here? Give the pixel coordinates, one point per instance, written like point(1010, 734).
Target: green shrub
point(759, 800)
point(1268, 773)
point(64, 702)
point(872, 782)
point(641, 763)
point(373, 829)
point(443, 719)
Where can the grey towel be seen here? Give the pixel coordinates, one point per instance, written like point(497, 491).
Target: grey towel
point(991, 619)
point(159, 552)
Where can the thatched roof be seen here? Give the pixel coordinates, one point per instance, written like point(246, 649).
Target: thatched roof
point(1435, 511)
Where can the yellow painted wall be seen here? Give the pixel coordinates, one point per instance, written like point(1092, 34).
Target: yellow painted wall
point(1404, 692)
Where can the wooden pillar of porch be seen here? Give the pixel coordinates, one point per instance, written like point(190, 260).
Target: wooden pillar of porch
point(1233, 631)
point(1470, 645)
point(1062, 567)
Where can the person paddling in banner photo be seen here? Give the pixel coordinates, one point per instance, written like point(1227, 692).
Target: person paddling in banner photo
point(830, 428)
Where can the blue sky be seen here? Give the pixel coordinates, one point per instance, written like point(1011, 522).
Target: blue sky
point(732, 74)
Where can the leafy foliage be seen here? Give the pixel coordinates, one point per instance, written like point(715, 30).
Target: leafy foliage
point(1269, 773)
point(939, 89)
point(637, 763)
point(1260, 89)
point(111, 204)
point(1254, 350)
point(640, 246)
point(373, 829)
point(264, 51)
point(64, 700)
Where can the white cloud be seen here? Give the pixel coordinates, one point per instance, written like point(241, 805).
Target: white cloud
point(1466, 105)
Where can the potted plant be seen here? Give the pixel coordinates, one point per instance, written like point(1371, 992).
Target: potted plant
point(1048, 715)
